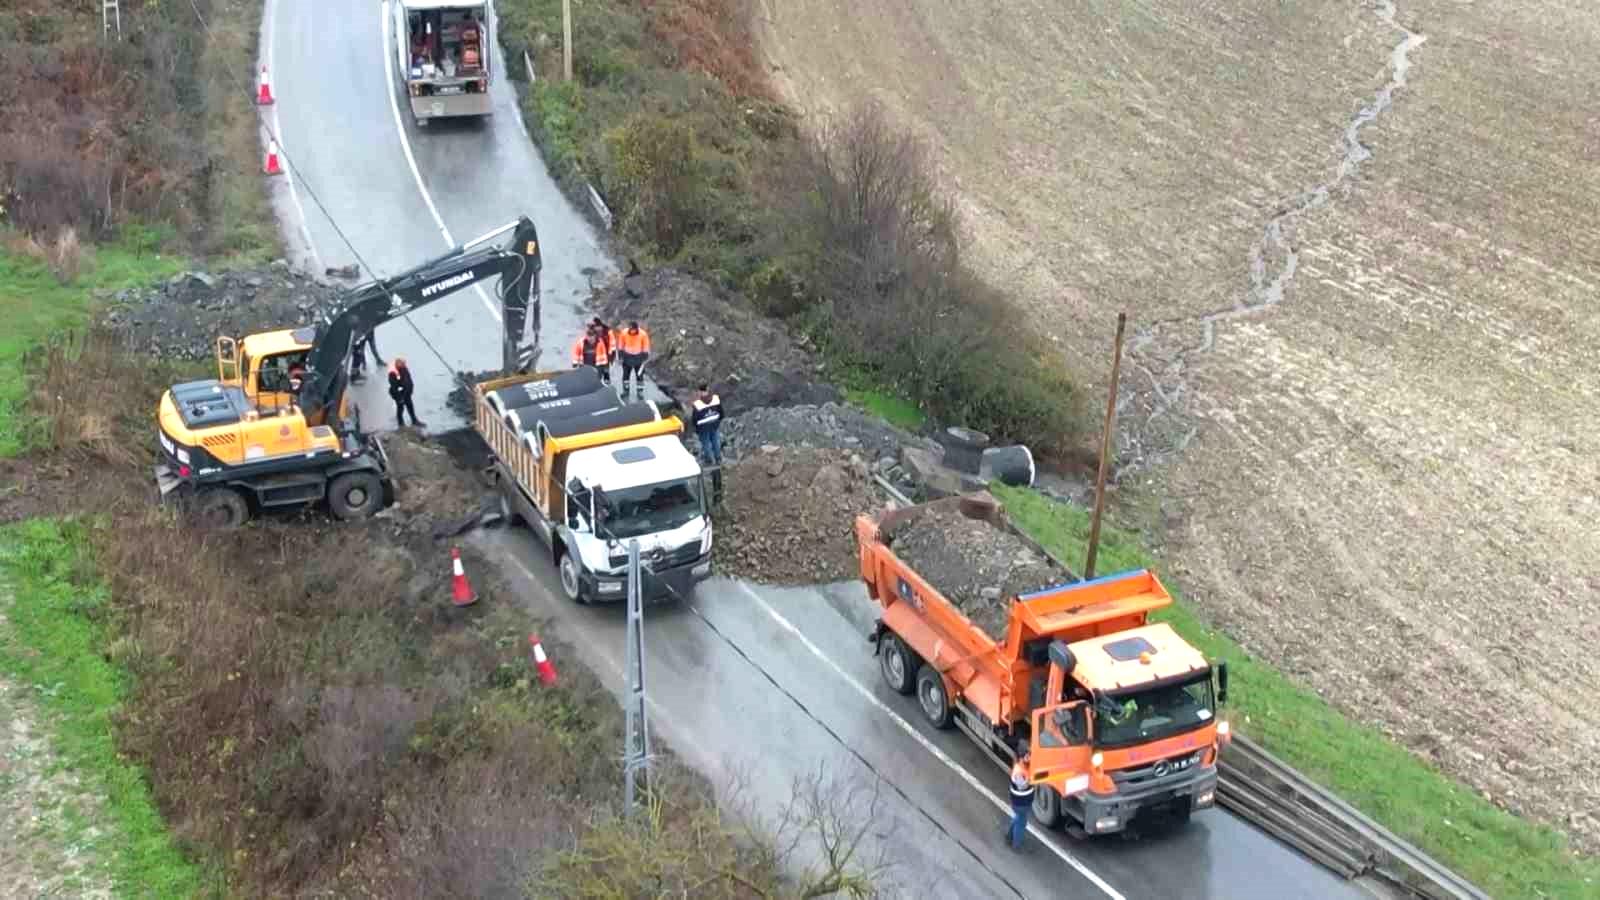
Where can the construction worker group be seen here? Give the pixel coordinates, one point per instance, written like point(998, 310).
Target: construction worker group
point(600, 345)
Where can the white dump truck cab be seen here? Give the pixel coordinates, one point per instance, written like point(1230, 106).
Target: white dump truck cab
point(649, 490)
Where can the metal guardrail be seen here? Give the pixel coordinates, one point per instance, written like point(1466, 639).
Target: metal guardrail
point(1262, 789)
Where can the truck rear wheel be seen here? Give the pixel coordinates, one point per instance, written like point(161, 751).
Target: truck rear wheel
point(221, 508)
point(1047, 806)
point(898, 666)
point(933, 698)
point(355, 495)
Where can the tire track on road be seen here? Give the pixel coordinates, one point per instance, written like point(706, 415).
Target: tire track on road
point(1273, 264)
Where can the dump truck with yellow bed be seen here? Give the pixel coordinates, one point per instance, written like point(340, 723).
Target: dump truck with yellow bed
point(589, 474)
point(1119, 714)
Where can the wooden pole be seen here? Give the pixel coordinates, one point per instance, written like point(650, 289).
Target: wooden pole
point(566, 37)
point(1105, 452)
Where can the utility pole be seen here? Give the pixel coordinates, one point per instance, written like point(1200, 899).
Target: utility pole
point(636, 749)
point(1105, 452)
point(566, 37)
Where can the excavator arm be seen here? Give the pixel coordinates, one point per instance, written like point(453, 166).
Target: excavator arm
point(517, 265)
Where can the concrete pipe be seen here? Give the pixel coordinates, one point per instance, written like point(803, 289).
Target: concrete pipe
point(563, 384)
point(583, 423)
point(963, 449)
point(1009, 465)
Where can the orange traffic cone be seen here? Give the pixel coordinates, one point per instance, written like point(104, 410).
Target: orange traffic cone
point(460, 591)
point(271, 167)
point(547, 669)
point(264, 95)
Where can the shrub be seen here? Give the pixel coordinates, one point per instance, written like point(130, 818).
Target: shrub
point(653, 181)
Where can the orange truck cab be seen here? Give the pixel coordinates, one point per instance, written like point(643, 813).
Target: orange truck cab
point(1120, 714)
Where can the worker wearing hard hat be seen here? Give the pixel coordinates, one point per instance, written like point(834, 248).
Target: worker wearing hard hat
point(634, 344)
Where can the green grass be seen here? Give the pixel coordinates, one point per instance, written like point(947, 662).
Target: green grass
point(56, 643)
point(897, 412)
point(35, 305)
point(1501, 853)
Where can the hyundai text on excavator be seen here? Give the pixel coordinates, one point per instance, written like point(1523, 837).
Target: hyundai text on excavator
point(1119, 714)
point(247, 441)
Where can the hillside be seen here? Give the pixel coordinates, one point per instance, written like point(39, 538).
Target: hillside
point(1361, 373)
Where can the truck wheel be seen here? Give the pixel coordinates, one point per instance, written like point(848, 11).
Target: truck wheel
point(898, 666)
point(932, 697)
point(221, 509)
point(1047, 806)
point(355, 495)
point(571, 582)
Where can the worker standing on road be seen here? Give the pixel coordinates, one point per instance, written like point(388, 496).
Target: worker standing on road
point(590, 350)
point(1021, 800)
point(400, 389)
point(358, 357)
point(607, 337)
point(635, 345)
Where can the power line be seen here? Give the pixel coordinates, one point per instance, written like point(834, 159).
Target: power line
point(288, 164)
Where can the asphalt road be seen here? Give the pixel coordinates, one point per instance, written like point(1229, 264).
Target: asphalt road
point(402, 194)
point(766, 684)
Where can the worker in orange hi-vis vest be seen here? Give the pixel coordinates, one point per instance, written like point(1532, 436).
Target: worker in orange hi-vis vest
point(634, 344)
point(590, 350)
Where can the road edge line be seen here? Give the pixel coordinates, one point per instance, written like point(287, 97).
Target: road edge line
point(405, 145)
point(950, 763)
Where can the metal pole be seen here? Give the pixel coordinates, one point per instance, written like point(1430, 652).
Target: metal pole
point(1105, 452)
point(566, 37)
point(636, 750)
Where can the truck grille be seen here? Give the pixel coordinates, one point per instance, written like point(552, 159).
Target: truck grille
point(1157, 770)
point(668, 559)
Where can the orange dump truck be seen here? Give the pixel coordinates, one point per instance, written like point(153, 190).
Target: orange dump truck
point(1119, 714)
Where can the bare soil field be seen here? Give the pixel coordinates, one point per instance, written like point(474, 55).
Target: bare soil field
point(1358, 246)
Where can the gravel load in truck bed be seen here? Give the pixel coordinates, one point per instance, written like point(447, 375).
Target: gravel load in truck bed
point(977, 566)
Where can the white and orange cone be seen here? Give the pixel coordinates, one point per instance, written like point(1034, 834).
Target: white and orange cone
point(271, 167)
point(547, 669)
point(460, 589)
point(264, 94)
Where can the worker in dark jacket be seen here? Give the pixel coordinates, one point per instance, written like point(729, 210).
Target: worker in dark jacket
point(590, 350)
point(358, 357)
point(400, 388)
point(1021, 800)
point(708, 424)
point(608, 337)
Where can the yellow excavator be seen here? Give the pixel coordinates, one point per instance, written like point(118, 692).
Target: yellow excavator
point(276, 429)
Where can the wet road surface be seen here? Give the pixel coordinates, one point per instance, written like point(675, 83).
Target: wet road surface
point(763, 683)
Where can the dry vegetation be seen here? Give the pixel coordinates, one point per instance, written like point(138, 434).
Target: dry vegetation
point(102, 134)
point(1388, 492)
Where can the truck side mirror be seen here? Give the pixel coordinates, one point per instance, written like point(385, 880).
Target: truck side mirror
point(1222, 683)
point(1061, 655)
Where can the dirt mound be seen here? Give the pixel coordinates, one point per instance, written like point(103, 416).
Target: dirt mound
point(788, 515)
point(830, 425)
point(975, 565)
point(701, 333)
point(182, 317)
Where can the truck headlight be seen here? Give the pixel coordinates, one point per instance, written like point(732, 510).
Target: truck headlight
point(183, 456)
point(1097, 760)
point(705, 540)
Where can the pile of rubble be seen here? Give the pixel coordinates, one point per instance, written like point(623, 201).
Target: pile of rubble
point(976, 565)
point(701, 333)
point(182, 317)
point(788, 515)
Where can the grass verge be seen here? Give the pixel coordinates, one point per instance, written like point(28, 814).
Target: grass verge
point(34, 304)
point(1505, 855)
point(57, 616)
point(891, 409)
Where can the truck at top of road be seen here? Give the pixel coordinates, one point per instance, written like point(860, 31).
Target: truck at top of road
point(1119, 715)
point(589, 474)
point(444, 48)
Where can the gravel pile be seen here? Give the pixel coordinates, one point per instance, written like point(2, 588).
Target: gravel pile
point(182, 317)
point(974, 564)
point(831, 425)
point(788, 515)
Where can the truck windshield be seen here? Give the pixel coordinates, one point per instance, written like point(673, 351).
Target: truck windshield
point(630, 512)
point(1150, 714)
